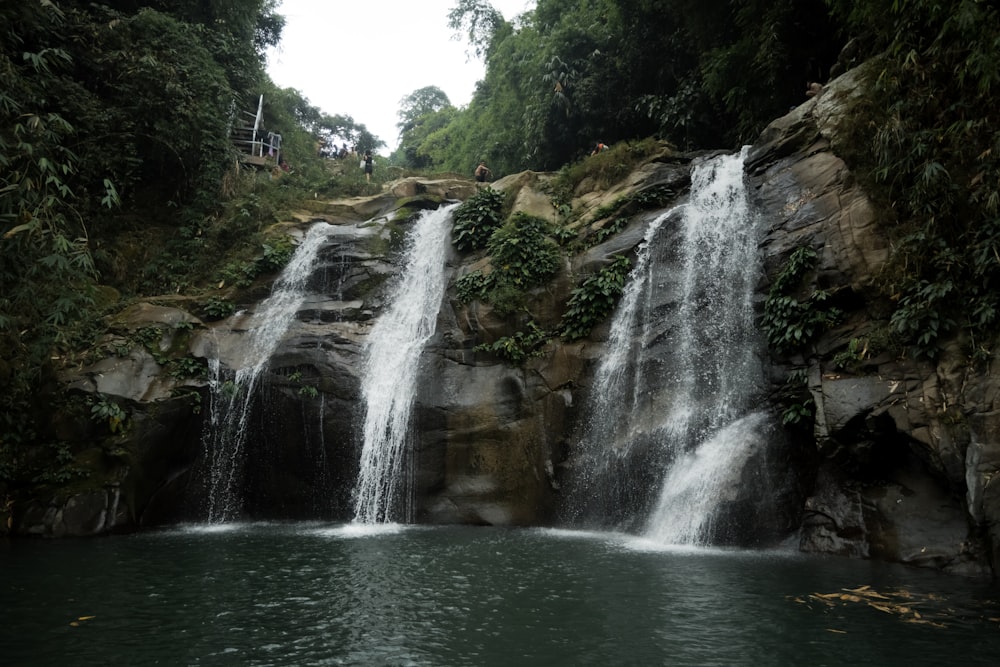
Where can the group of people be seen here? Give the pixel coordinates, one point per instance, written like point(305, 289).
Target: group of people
point(332, 152)
point(482, 173)
point(367, 163)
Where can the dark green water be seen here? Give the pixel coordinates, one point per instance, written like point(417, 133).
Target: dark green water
point(301, 594)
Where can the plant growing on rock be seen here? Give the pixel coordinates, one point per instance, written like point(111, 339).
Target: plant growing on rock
point(216, 308)
point(923, 141)
point(595, 298)
point(106, 411)
point(521, 346)
point(792, 321)
point(522, 254)
point(800, 408)
point(475, 220)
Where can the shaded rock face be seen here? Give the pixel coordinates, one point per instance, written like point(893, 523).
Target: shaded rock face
point(908, 449)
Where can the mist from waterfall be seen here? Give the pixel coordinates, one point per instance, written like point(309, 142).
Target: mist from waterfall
point(613, 423)
point(669, 401)
point(232, 400)
point(383, 489)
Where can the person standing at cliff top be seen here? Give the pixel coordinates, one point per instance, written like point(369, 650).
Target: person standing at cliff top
point(369, 166)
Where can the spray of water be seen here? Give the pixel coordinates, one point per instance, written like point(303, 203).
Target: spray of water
point(717, 369)
point(231, 400)
point(685, 400)
point(393, 352)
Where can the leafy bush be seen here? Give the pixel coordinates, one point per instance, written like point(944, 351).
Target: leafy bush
point(187, 367)
point(106, 411)
point(607, 231)
point(595, 298)
point(475, 220)
point(522, 256)
point(216, 308)
point(521, 253)
point(923, 140)
point(275, 254)
point(790, 321)
point(800, 408)
point(519, 347)
point(472, 287)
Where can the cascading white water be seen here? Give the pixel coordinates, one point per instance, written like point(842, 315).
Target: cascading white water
point(681, 366)
point(612, 422)
point(231, 401)
point(716, 360)
point(716, 368)
point(390, 373)
point(615, 376)
point(700, 480)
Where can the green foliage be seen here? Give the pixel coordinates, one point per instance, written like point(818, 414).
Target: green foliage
point(274, 255)
point(107, 411)
point(109, 115)
point(522, 256)
point(304, 390)
point(800, 408)
point(57, 466)
point(791, 320)
point(565, 75)
point(926, 143)
point(603, 169)
point(187, 367)
point(472, 287)
point(856, 352)
point(608, 230)
point(475, 220)
point(216, 308)
point(594, 300)
point(653, 197)
point(563, 235)
point(521, 253)
point(518, 348)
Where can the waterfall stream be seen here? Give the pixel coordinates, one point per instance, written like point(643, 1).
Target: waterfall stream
point(382, 493)
point(669, 401)
point(231, 401)
point(618, 389)
point(716, 368)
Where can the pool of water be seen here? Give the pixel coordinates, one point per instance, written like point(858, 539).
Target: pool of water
point(314, 594)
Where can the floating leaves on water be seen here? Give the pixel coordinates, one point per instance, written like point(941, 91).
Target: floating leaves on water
point(901, 603)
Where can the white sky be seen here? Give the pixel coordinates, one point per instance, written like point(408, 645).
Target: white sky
point(360, 57)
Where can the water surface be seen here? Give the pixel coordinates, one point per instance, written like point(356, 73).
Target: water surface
point(314, 594)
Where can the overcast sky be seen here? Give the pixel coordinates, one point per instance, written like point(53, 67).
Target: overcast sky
point(359, 58)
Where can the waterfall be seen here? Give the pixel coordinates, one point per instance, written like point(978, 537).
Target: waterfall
point(382, 492)
point(600, 488)
point(670, 398)
point(716, 368)
point(715, 361)
point(231, 401)
point(702, 479)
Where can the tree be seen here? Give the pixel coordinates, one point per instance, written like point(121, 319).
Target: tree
point(483, 25)
point(420, 102)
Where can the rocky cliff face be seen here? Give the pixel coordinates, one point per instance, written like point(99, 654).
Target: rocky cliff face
point(907, 449)
point(899, 466)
